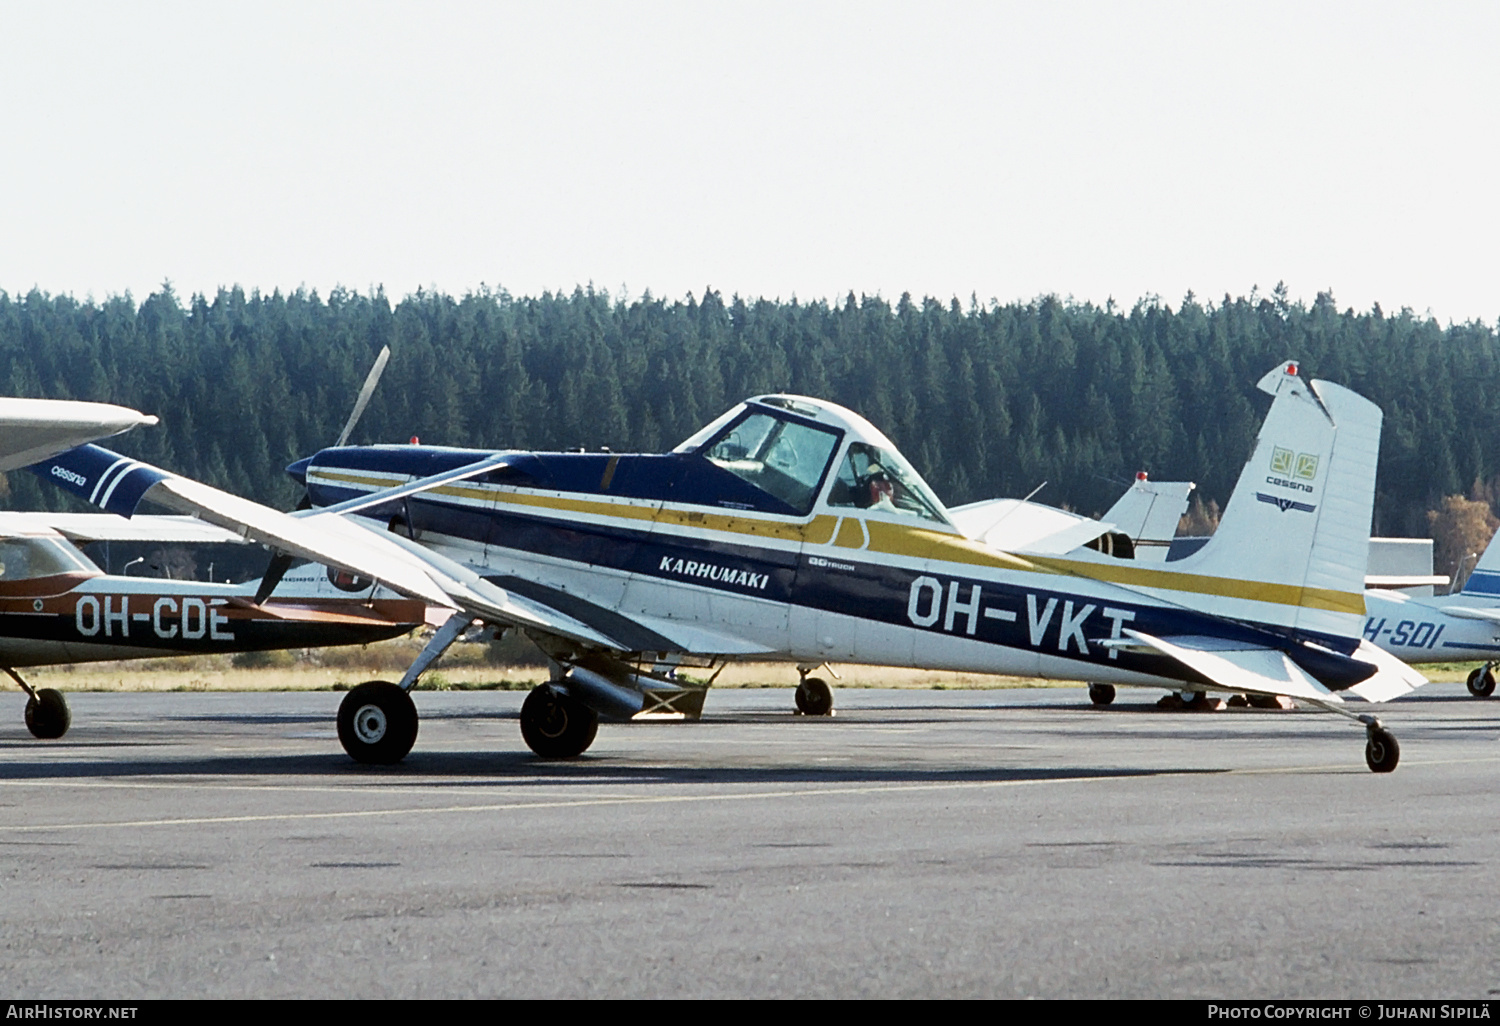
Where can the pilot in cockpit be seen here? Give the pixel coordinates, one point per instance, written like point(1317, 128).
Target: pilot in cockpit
point(875, 479)
point(863, 482)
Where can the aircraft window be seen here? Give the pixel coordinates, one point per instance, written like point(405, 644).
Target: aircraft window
point(784, 458)
point(26, 558)
point(875, 478)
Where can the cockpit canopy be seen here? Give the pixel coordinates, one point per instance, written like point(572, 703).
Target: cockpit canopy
point(24, 558)
point(786, 446)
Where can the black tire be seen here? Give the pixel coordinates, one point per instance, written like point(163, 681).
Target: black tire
point(377, 723)
point(1481, 682)
point(814, 697)
point(555, 725)
point(1101, 694)
point(1381, 750)
point(47, 715)
point(1193, 699)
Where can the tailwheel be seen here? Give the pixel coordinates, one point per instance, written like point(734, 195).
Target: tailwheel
point(1482, 681)
point(377, 723)
point(47, 714)
point(556, 725)
point(1381, 750)
point(1101, 694)
point(814, 697)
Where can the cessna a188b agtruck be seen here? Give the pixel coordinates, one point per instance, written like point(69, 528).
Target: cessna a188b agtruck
point(791, 529)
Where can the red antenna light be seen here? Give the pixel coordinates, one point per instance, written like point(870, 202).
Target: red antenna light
point(415, 440)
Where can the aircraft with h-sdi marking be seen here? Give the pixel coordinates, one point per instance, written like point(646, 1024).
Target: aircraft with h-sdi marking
point(791, 529)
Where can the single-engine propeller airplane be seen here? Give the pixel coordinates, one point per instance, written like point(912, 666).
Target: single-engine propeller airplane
point(1444, 628)
point(791, 529)
point(57, 606)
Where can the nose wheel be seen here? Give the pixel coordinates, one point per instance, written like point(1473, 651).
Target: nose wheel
point(1482, 681)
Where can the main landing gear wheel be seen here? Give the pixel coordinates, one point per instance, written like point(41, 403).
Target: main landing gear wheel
point(1482, 682)
point(1101, 694)
point(377, 723)
point(556, 726)
point(1381, 750)
point(814, 697)
point(48, 715)
point(1193, 699)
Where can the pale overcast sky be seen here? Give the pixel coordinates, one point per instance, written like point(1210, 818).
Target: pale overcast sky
point(1095, 150)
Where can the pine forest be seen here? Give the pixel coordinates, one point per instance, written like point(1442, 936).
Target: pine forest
point(986, 400)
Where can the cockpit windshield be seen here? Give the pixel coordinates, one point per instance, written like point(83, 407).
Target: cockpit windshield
point(871, 477)
point(22, 559)
point(785, 458)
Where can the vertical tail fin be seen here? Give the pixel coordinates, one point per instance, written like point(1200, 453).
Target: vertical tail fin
point(1484, 579)
point(1148, 512)
point(1295, 535)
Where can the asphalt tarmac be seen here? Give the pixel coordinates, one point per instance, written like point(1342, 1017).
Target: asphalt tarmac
point(918, 844)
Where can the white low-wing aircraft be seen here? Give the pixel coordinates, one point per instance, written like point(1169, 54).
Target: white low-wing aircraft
point(792, 529)
point(1444, 628)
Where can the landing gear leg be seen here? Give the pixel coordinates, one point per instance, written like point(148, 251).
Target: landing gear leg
point(1482, 681)
point(1101, 694)
point(378, 720)
point(814, 696)
point(47, 714)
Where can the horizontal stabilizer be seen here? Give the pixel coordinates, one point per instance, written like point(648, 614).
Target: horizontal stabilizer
point(1392, 679)
point(1265, 671)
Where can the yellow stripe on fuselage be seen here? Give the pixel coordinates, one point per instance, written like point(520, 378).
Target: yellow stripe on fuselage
point(909, 541)
point(1223, 587)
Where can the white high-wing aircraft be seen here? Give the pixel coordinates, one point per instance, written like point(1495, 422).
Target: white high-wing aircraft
point(1444, 628)
point(790, 528)
point(57, 606)
point(34, 429)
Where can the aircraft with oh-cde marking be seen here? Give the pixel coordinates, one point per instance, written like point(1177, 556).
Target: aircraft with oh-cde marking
point(791, 529)
point(56, 606)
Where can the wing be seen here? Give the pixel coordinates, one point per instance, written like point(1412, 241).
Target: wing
point(92, 527)
point(330, 537)
point(34, 429)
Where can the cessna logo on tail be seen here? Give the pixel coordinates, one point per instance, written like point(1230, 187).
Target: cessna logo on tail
point(1285, 504)
point(1302, 466)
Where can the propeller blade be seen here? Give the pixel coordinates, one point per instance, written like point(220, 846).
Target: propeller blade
point(280, 564)
point(364, 394)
